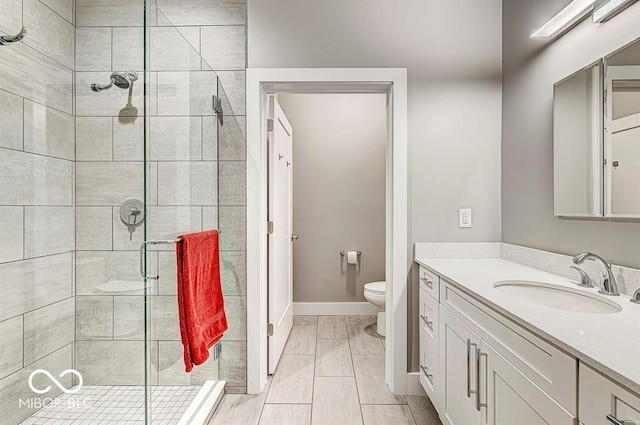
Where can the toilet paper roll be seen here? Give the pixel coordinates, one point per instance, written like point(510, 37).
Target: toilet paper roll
point(352, 257)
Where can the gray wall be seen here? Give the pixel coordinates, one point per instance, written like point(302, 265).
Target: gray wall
point(36, 199)
point(339, 144)
point(530, 69)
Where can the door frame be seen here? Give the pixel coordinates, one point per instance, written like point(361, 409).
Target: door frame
point(392, 81)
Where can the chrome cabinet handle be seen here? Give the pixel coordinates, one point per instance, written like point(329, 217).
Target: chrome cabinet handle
point(615, 421)
point(469, 344)
point(426, 321)
point(294, 237)
point(428, 282)
point(425, 370)
point(479, 355)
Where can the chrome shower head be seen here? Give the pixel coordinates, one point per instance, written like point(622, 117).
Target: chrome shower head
point(121, 80)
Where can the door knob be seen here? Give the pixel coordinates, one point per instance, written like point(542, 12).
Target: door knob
point(294, 237)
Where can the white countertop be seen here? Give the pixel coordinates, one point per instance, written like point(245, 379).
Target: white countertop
point(609, 343)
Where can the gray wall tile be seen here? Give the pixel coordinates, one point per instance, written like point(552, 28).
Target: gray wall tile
point(11, 229)
point(37, 180)
point(210, 219)
point(233, 225)
point(233, 266)
point(111, 362)
point(48, 230)
point(204, 12)
point(11, 120)
point(186, 93)
point(94, 317)
point(223, 47)
point(48, 328)
point(41, 79)
point(32, 284)
point(167, 285)
point(109, 103)
point(233, 139)
point(175, 138)
point(187, 183)
point(233, 363)
point(235, 308)
point(63, 8)
point(128, 318)
point(171, 51)
point(49, 33)
point(233, 182)
point(108, 183)
point(128, 49)
point(13, 387)
point(128, 140)
point(192, 35)
point(164, 318)
point(94, 139)
point(168, 222)
point(93, 228)
point(109, 13)
point(48, 131)
point(94, 268)
point(210, 138)
point(171, 364)
point(93, 48)
point(232, 92)
point(11, 334)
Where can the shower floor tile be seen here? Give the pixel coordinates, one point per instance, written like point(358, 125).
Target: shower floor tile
point(116, 405)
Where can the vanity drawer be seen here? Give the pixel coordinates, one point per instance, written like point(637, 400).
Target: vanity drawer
point(599, 397)
point(430, 282)
point(429, 374)
point(548, 367)
point(428, 320)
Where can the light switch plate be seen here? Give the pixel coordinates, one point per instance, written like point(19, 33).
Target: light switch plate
point(464, 218)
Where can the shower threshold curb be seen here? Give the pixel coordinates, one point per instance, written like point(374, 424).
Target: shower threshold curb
point(202, 407)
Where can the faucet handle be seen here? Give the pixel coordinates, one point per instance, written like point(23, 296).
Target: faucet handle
point(585, 279)
point(636, 297)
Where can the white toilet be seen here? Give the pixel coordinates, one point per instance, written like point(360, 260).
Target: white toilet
point(376, 294)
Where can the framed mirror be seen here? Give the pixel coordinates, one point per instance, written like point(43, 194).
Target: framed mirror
point(622, 133)
point(577, 143)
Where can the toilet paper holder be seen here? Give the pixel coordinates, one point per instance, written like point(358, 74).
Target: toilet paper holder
point(343, 253)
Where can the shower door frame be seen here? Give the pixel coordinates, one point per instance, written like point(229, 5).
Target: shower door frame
point(393, 82)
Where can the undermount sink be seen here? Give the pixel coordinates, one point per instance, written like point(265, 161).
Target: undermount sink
point(559, 297)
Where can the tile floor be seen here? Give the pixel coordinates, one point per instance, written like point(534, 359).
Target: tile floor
point(331, 372)
point(117, 405)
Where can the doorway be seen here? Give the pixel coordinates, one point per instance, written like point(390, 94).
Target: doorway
point(391, 82)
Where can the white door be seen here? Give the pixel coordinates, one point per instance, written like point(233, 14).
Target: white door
point(280, 312)
point(625, 165)
point(459, 348)
point(512, 398)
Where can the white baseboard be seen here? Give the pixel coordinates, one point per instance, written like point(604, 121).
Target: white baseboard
point(335, 309)
point(414, 387)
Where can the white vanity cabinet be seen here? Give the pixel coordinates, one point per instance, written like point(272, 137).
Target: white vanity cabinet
point(603, 402)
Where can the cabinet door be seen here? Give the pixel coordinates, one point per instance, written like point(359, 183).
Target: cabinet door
point(508, 397)
point(458, 350)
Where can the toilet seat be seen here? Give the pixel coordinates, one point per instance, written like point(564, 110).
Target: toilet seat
point(376, 288)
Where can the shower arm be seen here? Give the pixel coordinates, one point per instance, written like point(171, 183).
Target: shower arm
point(6, 39)
point(101, 87)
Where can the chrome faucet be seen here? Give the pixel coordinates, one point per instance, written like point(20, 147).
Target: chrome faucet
point(608, 286)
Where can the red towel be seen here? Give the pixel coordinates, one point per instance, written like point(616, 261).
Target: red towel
point(200, 300)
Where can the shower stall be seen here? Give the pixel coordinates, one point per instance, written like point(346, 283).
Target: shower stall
point(121, 125)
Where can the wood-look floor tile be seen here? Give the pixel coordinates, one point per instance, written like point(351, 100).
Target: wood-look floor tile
point(335, 401)
point(361, 341)
point(332, 327)
point(379, 414)
point(333, 358)
point(372, 388)
point(286, 414)
point(293, 380)
point(302, 340)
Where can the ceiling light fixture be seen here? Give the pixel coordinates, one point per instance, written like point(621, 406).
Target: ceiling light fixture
point(607, 9)
point(564, 19)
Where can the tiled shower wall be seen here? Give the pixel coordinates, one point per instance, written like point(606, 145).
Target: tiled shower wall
point(36, 198)
point(190, 44)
